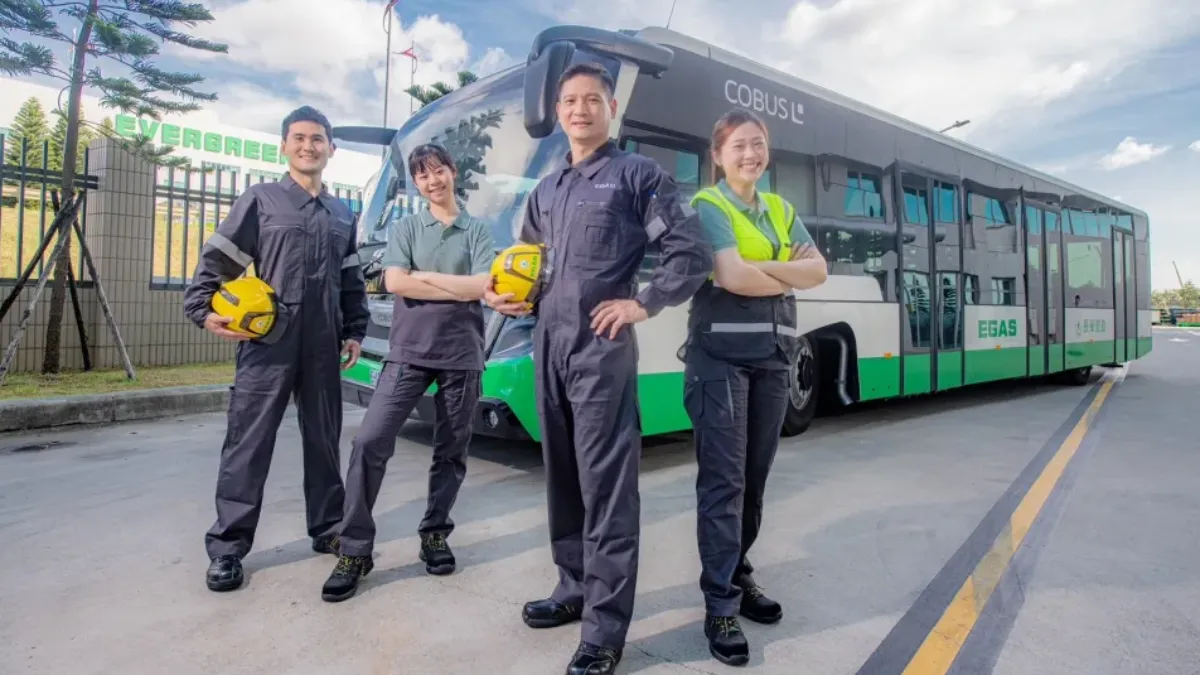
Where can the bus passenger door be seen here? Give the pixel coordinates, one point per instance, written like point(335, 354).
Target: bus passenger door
point(1120, 294)
point(1056, 293)
point(918, 296)
point(1036, 292)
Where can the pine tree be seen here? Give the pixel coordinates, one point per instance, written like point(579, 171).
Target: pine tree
point(58, 141)
point(30, 123)
point(128, 34)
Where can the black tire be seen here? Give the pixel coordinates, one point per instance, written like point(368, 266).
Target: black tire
point(1076, 377)
point(805, 391)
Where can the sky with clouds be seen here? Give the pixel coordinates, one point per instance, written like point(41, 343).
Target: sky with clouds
point(1103, 93)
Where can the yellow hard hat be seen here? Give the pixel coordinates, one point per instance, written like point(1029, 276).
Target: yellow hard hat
point(518, 270)
point(249, 303)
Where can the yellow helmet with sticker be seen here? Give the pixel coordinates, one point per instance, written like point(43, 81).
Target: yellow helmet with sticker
point(519, 269)
point(249, 303)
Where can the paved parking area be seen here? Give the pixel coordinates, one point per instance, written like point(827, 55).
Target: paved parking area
point(866, 514)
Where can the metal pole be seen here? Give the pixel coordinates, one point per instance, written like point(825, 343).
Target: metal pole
point(387, 77)
point(672, 14)
point(412, 75)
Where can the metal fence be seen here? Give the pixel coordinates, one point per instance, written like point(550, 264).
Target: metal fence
point(188, 205)
point(27, 191)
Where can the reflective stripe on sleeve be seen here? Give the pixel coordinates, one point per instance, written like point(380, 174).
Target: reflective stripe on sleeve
point(351, 260)
point(224, 245)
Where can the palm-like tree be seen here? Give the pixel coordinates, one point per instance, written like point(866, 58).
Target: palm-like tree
point(427, 95)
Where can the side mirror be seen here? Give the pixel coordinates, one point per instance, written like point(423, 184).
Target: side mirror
point(541, 87)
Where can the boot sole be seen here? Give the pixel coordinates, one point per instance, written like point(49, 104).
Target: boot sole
point(739, 660)
point(224, 586)
point(546, 623)
point(440, 571)
point(333, 597)
point(763, 620)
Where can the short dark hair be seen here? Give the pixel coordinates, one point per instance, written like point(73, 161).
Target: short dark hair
point(591, 70)
point(429, 156)
point(307, 114)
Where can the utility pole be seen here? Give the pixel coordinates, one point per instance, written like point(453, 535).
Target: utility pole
point(672, 14)
point(1177, 274)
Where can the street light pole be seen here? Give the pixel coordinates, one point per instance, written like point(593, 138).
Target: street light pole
point(387, 77)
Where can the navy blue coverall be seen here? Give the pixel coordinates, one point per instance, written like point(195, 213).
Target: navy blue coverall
point(598, 219)
point(303, 247)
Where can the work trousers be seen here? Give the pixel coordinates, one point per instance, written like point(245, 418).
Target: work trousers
point(397, 392)
point(304, 365)
point(737, 415)
point(591, 448)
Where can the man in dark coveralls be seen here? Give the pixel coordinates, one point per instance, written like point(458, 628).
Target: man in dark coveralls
point(301, 242)
point(597, 216)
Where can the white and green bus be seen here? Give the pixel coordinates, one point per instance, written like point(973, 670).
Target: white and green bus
point(948, 266)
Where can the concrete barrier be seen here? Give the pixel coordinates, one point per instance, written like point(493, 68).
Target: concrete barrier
point(143, 404)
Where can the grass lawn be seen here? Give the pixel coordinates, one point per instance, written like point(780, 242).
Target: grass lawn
point(32, 385)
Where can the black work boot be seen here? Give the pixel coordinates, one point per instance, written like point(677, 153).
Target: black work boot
point(592, 660)
point(224, 573)
point(726, 641)
point(329, 545)
point(756, 606)
point(549, 614)
point(342, 583)
point(436, 554)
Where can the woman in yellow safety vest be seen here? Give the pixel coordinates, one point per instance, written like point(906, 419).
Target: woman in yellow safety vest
point(742, 339)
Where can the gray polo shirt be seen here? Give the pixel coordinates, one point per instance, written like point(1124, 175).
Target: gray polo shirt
point(441, 334)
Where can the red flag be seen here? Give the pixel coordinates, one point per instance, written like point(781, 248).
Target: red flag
point(391, 4)
point(409, 53)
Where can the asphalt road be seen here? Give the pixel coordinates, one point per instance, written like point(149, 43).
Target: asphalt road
point(885, 539)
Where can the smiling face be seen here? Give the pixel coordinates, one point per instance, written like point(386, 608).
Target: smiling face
point(585, 109)
point(307, 147)
point(744, 154)
point(435, 181)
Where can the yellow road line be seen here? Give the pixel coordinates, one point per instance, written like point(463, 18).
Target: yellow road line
point(947, 637)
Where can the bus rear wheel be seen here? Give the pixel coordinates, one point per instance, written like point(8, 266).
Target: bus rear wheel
point(805, 389)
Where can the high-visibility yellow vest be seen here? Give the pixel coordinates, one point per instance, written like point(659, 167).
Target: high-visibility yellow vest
point(752, 244)
point(738, 327)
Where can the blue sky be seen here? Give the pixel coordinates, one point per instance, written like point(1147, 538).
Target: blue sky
point(1103, 94)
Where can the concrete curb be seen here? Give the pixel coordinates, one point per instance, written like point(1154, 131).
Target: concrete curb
point(142, 404)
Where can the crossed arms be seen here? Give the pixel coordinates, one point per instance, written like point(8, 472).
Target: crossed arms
point(805, 269)
point(434, 285)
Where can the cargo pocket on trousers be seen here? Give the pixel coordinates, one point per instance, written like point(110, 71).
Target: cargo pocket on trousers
point(709, 402)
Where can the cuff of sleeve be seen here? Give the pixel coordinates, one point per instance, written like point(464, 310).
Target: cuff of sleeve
point(647, 298)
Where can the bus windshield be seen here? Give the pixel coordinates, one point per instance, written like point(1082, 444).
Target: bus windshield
point(498, 163)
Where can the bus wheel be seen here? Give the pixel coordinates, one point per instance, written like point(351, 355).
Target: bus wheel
point(1076, 377)
point(804, 391)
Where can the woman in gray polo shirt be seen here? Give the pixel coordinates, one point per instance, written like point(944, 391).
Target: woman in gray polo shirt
point(436, 264)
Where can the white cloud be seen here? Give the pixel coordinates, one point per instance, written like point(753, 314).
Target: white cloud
point(1131, 153)
point(1195, 146)
point(335, 62)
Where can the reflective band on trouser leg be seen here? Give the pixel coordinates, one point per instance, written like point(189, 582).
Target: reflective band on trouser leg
point(787, 331)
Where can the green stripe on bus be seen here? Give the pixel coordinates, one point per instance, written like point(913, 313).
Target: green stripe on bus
point(878, 378)
point(949, 370)
point(1145, 346)
point(1090, 353)
point(989, 365)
